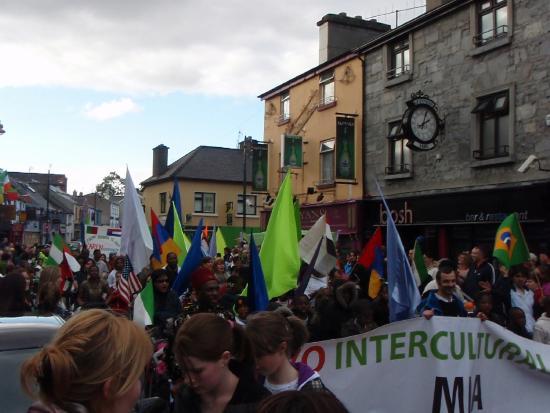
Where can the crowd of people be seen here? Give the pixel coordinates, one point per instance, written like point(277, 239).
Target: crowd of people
point(212, 353)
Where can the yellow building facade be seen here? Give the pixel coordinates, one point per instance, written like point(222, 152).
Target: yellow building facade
point(210, 182)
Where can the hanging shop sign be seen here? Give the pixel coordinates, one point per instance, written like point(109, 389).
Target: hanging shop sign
point(345, 148)
point(259, 168)
point(292, 151)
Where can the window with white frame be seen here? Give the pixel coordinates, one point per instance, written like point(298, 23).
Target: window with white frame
point(399, 154)
point(285, 107)
point(326, 154)
point(326, 85)
point(493, 20)
point(205, 202)
point(251, 204)
point(400, 58)
point(493, 126)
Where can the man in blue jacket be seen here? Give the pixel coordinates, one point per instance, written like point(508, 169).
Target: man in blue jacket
point(443, 301)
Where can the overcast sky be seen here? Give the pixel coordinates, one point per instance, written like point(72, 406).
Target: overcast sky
point(89, 87)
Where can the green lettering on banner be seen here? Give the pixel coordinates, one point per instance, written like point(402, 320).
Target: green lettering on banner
point(512, 349)
point(433, 345)
point(395, 345)
point(352, 348)
point(378, 341)
point(496, 344)
point(479, 342)
point(339, 355)
point(542, 366)
point(529, 360)
point(471, 352)
point(457, 355)
point(418, 339)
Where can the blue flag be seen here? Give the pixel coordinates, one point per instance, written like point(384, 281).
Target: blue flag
point(176, 200)
point(402, 289)
point(257, 290)
point(192, 261)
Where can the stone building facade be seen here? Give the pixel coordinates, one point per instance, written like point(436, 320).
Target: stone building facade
point(486, 64)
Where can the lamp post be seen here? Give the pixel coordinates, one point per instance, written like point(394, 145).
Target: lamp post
point(247, 147)
point(48, 208)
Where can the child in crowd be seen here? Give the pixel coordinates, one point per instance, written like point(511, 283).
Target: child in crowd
point(275, 340)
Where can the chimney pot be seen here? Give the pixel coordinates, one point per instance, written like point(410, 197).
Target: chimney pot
point(160, 159)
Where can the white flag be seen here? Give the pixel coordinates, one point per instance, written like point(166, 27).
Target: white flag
point(326, 260)
point(136, 239)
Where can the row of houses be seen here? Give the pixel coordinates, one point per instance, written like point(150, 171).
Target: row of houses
point(440, 113)
point(44, 208)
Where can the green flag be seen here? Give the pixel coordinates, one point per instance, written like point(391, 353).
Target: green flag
point(510, 246)
point(179, 237)
point(144, 306)
point(419, 266)
point(298, 219)
point(279, 255)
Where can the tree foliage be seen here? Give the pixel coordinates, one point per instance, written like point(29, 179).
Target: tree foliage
point(112, 185)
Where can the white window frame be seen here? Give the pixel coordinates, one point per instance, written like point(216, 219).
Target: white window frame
point(326, 83)
point(327, 146)
point(254, 199)
point(285, 107)
point(202, 200)
point(477, 122)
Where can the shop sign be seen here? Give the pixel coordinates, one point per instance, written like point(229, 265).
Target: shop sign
point(493, 217)
point(401, 216)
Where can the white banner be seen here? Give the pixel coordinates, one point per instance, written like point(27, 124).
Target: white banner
point(104, 238)
point(441, 365)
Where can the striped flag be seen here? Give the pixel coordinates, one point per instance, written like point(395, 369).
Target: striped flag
point(129, 282)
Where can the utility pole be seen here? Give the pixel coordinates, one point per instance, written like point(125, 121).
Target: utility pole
point(247, 144)
point(48, 208)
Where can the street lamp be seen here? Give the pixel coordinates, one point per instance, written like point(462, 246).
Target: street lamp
point(248, 144)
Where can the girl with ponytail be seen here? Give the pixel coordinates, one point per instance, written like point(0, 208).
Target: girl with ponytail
point(93, 365)
point(275, 340)
point(217, 366)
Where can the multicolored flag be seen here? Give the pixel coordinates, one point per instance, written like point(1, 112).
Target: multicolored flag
point(510, 245)
point(162, 243)
point(60, 255)
point(372, 258)
point(280, 254)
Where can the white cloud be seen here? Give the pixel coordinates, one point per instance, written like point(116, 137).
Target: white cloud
point(215, 47)
point(111, 109)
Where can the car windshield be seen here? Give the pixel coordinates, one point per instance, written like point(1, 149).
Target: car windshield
point(13, 397)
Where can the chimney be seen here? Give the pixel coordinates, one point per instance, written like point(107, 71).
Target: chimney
point(434, 4)
point(339, 33)
point(160, 159)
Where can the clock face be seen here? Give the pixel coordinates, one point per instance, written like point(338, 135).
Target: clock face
point(423, 123)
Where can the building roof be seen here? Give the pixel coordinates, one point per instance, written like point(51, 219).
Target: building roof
point(59, 180)
point(206, 163)
point(384, 38)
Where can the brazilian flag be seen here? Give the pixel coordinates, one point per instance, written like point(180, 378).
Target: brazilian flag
point(510, 246)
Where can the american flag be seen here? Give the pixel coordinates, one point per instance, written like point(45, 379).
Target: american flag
point(129, 282)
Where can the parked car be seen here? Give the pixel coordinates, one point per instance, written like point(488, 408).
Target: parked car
point(20, 338)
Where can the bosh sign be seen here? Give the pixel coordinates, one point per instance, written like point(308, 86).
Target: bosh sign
point(400, 216)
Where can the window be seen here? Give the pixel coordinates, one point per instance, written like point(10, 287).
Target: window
point(285, 107)
point(326, 84)
point(492, 20)
point(327, 162)
point(493, 123)
point(400, 58)
point(205, 202)
point(162, 197)
point(399, 154)
point(251, 204)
